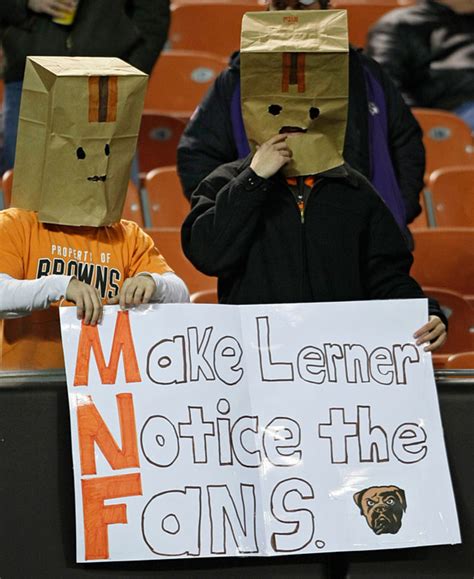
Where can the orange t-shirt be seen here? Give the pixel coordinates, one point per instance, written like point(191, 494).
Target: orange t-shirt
point(100, 256)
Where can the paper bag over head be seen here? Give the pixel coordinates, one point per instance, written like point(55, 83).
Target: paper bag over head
point(294, 79)
point(77, 134)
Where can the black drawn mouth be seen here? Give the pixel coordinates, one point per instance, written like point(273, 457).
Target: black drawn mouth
point(97, 178)
point(288, 129)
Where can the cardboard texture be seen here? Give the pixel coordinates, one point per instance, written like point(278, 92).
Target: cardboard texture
point(78, 128)
point(294, 78)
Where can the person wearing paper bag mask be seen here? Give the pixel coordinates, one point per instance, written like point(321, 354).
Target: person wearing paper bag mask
point(292, 222)
point(383, 140)
point(63, 236)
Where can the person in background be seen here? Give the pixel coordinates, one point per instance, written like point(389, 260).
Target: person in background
point(383, 140)
point(134, 30)
point(428, 50)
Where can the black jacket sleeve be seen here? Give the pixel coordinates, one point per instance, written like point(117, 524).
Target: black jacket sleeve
point(389, 261)
point(218, 233)
point(13, 12)
point(152, 20)
point(208, 140)
point(389, 43)
point(405, 139)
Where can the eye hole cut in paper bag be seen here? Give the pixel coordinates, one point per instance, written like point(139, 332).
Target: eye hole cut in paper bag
point(294, 79)
point(78, 128)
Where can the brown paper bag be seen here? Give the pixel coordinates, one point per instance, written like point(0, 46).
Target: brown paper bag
point(79, 123)
point(294, 79)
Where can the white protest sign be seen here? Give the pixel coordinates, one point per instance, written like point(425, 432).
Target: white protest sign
point(206, 430)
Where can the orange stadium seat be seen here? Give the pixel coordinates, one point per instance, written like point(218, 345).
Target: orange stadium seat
point(461, 361)
point(158, 140)
point(167, 205)
point(422, 220)
point(447, 139)
point(444, 258)
point(180, 79)
point(218, 30)
point(452, 196)
point(205, 297)
point(7, 184)
point(132, 210)
point(460, 316)
point(168, 242)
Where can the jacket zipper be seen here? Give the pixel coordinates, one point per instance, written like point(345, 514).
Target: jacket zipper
point(300, 199)
point(301, 206)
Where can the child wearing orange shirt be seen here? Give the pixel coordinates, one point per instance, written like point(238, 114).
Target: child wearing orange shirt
point(73, 245)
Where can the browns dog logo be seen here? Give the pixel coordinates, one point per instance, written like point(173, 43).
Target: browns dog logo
point(382, 507)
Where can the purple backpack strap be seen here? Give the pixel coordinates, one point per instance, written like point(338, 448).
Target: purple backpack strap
point(238, 128)
point(383, 176)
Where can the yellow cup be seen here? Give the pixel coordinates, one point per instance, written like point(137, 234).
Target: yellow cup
point(67, 18)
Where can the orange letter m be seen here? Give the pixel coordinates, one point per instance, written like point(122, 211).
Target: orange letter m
point(122, 343)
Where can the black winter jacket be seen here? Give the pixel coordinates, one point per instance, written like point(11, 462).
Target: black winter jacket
point(428, 50)
point(248, 232)
point(134, 30)
point(208, 140)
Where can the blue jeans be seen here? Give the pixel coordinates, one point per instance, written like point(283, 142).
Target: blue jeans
point(466, 112)
point(11, 112)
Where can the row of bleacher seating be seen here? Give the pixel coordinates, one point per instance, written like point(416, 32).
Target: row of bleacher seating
point(219, 21)
point(444, 260)
point(449, 201)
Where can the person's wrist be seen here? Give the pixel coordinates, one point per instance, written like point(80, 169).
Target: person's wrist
point(259, 172)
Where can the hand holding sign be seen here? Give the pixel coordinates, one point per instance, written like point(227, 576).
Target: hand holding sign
point(434, 332)
point(135, 291)
point(87, 300)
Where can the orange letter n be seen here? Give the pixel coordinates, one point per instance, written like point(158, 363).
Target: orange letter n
point(92, 429)
point(122, 343)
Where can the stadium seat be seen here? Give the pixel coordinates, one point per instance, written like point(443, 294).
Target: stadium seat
point(168, 242)
point(447, 139)
point(463, 360)
point(205, 297)
point(180, 79)
point(218, 30)
point(158, 140)
point(7, 184)
point(452, 194)
point(460, 316)
point(132, 210)
point(167, 205)
point(444, 258)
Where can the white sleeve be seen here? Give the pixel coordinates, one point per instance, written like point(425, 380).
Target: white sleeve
point(21, 297)
point(169, 289)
